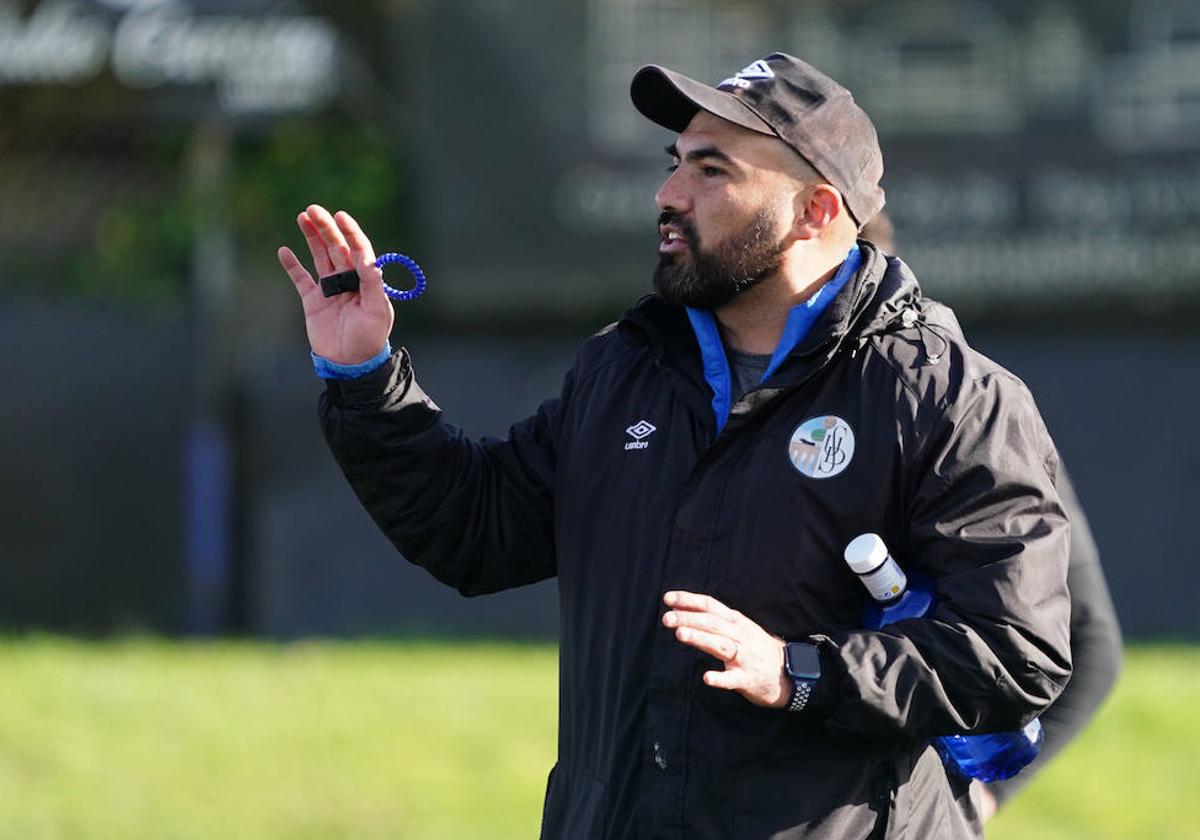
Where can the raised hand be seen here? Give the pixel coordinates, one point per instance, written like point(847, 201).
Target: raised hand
point(351, 327)
point(753, 657)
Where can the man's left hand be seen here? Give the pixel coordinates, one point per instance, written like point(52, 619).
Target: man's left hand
point(987, 800)
point(753, 657)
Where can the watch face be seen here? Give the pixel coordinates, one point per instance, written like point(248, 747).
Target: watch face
point(802, 661)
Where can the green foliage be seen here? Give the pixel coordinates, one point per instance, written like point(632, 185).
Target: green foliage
point(148, 739)
point(141, 225)
point(330, 162)
point(141, 257)
point(300, 162)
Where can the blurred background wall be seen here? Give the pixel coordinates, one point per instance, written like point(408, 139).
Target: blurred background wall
point(160, 462)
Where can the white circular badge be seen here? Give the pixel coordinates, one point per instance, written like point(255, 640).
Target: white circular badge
point(821, 447)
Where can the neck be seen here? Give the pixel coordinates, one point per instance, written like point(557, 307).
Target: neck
point(754, 320)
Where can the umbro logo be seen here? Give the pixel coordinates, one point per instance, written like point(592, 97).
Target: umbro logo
point(755, 72)
point(639, 431)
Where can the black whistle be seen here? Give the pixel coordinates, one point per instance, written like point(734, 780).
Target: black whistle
point(335, 284)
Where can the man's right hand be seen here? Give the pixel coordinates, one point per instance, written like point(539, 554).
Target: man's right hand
point(352, 327)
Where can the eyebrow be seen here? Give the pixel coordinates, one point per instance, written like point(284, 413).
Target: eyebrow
point(700, 154)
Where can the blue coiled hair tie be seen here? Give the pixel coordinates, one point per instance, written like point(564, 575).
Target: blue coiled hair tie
point(347, 281)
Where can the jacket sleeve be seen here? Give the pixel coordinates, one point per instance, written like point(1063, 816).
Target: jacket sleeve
point(478, 515)
point(983, 519)
point(1095, 646)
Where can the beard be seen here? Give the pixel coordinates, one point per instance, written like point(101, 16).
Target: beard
point(710, 279)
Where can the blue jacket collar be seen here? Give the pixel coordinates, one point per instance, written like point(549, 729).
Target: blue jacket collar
point(800, 320)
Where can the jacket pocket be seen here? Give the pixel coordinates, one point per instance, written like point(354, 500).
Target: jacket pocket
point(789, 803)
point(814, 800)
point(574, 807)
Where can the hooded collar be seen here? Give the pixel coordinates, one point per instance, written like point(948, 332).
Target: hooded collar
point(870, 302)
point(800, 321)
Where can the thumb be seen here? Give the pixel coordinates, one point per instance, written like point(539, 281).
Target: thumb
point(370, 285)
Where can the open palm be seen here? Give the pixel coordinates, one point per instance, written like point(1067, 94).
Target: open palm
point(351, 327)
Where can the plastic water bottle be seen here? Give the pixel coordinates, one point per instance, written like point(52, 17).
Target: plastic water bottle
point(897, 596)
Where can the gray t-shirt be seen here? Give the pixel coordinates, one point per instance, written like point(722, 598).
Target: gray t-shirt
point(746, 371)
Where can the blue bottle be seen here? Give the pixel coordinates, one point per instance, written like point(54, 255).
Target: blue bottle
point(897, 596)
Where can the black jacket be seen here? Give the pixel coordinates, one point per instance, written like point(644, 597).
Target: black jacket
point(951, 463)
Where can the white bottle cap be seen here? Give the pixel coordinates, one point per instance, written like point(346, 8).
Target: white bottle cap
point(866, 553)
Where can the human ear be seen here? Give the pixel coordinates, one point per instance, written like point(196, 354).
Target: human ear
point(817, 207)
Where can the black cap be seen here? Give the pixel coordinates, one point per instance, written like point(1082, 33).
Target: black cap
point(782, 96)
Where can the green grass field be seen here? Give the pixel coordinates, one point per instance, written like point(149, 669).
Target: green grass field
point(148, 739)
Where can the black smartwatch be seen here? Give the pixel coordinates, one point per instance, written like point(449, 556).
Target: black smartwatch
point(802, 663)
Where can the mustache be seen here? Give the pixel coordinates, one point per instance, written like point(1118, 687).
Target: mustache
point(686, 228)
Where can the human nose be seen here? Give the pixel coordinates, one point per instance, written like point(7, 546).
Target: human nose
point(671, 195)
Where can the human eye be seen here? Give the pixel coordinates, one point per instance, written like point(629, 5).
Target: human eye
point(711, 171)
point(673, 166)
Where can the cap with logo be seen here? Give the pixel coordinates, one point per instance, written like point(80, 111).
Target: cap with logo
point(790, 99)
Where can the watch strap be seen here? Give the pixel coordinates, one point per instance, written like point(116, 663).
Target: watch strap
point(801, 691)
point(801, 663)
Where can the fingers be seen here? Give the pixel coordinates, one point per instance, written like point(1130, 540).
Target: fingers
point(753, 657)
point(338, 243)
point(316, 246)
point(370, 276)
point(329, 239)
point(715, 645)
point(696, 602)
point(700, 621)
point(299, 275)
point(360, 246)
point(732, 680)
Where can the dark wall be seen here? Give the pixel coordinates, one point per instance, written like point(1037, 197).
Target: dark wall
point(1036, 154)
point(1122, 409)
point(92, 430)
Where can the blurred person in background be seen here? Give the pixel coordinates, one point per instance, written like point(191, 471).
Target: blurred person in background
point(1095, 632)
point(693, 487)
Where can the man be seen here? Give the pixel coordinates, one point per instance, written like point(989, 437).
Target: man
point(714, 681)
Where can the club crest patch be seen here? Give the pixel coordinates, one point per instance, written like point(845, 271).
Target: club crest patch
point(821, 447)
